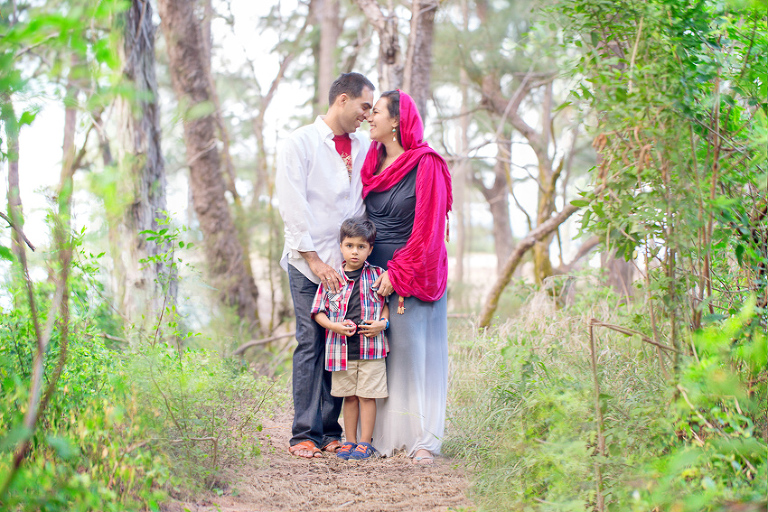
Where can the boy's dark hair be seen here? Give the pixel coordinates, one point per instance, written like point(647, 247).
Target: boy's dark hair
point(358, 226)
point(350, 83)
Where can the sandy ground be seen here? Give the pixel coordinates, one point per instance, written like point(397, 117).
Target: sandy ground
point(285, 483)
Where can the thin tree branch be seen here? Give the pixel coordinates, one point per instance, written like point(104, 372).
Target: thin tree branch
point(18, 230)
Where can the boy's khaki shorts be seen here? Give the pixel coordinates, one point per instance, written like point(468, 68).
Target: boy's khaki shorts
point(366, 378)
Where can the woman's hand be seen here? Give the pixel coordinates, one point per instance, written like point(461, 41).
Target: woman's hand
point(383, 285)
point(370, 328)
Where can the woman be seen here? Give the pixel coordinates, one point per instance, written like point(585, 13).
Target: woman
point(407, 193)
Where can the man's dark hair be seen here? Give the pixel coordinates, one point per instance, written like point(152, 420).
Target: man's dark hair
point(350, 83)
point(358, 226)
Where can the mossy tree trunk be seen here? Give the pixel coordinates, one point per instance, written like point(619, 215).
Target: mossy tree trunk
point(225, 255)
point(144, 288)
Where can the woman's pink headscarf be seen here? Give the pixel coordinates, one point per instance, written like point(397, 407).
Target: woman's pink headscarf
point(420, 268)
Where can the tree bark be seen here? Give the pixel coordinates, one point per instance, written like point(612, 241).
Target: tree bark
point(224, 253)
point(620, 273)
point(15, 211)
point(390, 62)
point(418, 62)
point(462, 170)
point(497, 197)
point(326, 13)
point(144, 288)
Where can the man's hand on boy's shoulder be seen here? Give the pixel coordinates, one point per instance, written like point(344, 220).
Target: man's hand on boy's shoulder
point(328, 276)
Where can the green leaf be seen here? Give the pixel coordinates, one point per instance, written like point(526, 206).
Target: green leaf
point(6, 254)
point(740, 254)
point(27, 118)
point(199, 110)
point(13, 438)
point(62, 447)
point(580, 203)
point(595, 38)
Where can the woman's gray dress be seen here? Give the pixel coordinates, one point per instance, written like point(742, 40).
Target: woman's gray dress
point(413, 417)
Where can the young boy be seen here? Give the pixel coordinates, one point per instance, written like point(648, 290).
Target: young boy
point(355, 344)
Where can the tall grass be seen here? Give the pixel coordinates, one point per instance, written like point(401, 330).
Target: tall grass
point(524, 414)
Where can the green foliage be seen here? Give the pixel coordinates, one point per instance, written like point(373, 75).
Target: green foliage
point(91, 452)
point(682, 102)
point(123, 428)
point(206, 412)
point(717, 450)
point(522, 413)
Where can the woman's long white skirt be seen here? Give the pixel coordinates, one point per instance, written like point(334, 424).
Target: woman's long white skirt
point(413, 417)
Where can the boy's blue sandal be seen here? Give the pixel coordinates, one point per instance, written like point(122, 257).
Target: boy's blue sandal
point(363, 451)
point(346, 450)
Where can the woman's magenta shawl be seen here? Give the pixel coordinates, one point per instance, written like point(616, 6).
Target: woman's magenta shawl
point(420, 268)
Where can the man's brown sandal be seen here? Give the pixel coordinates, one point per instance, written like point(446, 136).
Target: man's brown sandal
point(332, 447)
point(305, 446)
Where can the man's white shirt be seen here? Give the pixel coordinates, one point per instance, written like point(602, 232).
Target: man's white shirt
point(315, 194)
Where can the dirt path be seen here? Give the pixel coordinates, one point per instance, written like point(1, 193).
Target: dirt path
point(285, 483)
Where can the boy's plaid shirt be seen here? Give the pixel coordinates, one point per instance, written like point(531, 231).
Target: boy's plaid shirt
point(335, 306)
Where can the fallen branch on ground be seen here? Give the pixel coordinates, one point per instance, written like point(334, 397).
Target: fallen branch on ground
point(253, 343)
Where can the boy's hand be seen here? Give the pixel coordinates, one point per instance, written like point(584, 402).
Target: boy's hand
point(345, 328)
point(370, 328)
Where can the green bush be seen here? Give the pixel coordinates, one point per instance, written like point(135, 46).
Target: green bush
point(522, 414)
point(125, 427)
point(206, 412)
point(89, 451)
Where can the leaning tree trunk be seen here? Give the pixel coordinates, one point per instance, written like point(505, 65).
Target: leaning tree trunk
point(541, 231)
point(224, 253)
point(144, 287)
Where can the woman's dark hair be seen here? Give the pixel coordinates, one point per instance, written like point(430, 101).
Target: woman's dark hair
point(350, 83)
point(393, 107)
point(358, 226)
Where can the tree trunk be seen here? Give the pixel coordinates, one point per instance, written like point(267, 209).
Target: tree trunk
point(418, 62)
point(620, 273)
point(542, 265)
point(224, 254)
point(460, 174)
point(327, 14)
point(390, 61)
point(15, 212)
point(497, 197)
point(144, 288)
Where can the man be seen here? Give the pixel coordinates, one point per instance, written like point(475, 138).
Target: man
point(318, 186)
